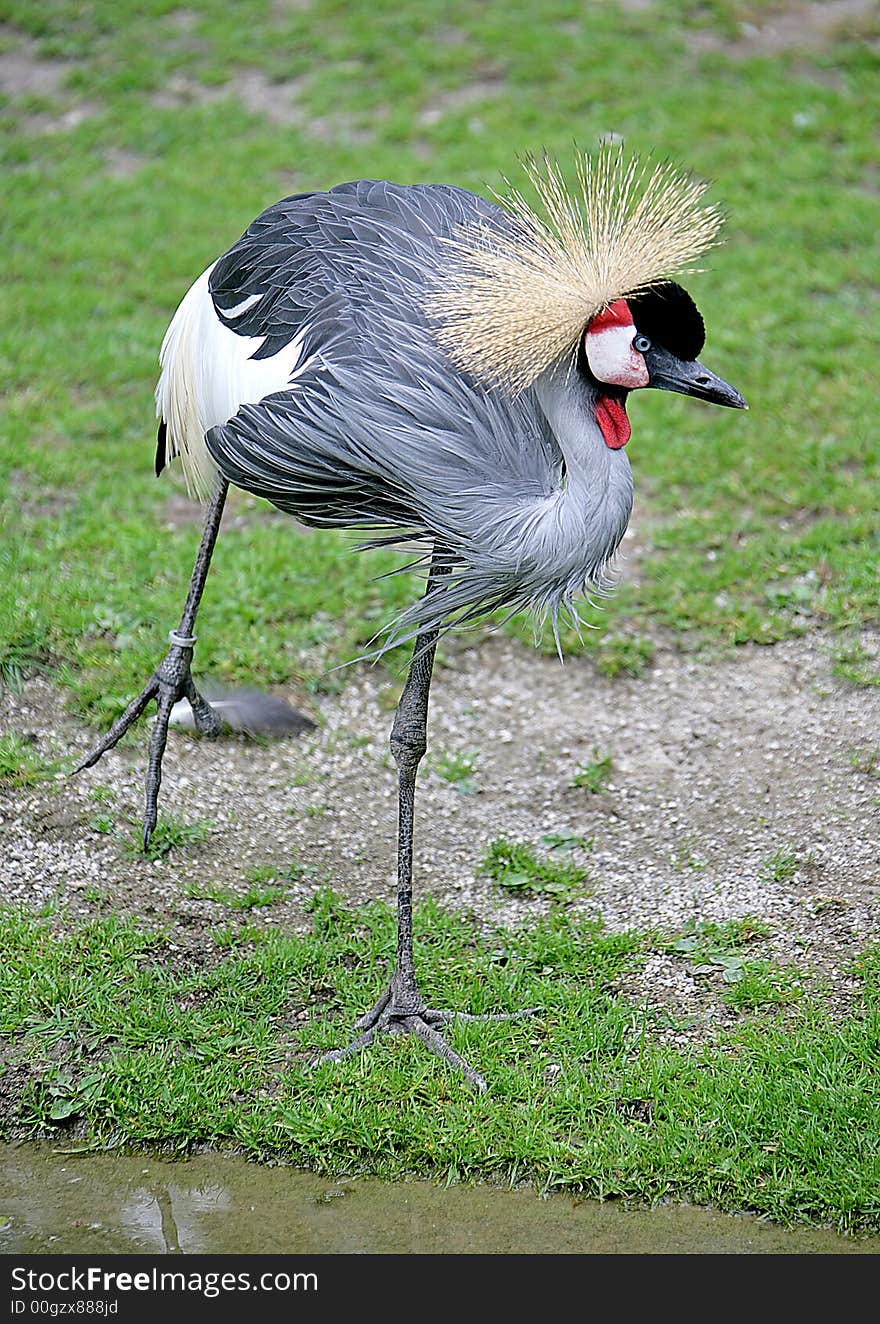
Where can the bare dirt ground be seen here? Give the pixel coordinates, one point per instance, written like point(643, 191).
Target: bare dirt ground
point(777, 29)
point(717, 766)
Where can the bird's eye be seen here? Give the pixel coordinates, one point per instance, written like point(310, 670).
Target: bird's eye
point(642, 344)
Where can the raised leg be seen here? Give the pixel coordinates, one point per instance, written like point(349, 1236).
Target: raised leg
point(172, 679)
point(401, 1009)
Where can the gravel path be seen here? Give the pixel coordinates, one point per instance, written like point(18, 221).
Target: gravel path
point(717, 766)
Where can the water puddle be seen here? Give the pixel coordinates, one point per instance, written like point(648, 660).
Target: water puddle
point(105, 1204)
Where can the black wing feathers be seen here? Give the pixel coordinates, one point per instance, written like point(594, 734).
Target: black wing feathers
point(377, 426)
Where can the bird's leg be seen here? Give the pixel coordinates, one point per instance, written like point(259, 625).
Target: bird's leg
point(409, 740)
point(401, 1008)
point(172, 679)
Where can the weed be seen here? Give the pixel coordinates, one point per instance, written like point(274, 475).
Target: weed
point(566, 842)
point(866, 761)
point(780, 867)
point(103, 823)
point(20, 657)
point(517, 868)
point(717, 950)
point(258, 897)
point(698, 940)
point(171, 833)
point(206, 892)
point(61, 1095)
point(623, 655)
point(688, 859)
point(595, 775)
point(255, 897)
point(458, 769)
point(855, 664)
point(271, 873)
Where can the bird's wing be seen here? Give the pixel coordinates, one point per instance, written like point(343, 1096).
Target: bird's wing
point(370, 241)
point(376, 425)
point(346, 266)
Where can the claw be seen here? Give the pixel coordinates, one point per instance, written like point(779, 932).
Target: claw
point(119, 727)
point(386, 1017)
point(208, 722)
point(170, 682)
point(158, 739)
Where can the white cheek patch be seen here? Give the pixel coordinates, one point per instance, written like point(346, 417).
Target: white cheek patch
point(612, 358)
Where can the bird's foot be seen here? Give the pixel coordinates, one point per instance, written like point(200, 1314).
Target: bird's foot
point(169, 683)
point(410, 1015)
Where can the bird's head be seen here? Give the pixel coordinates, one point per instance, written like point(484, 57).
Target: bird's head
point(584, 283)
point(648, 339)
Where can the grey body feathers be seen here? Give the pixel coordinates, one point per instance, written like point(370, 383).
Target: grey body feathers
point(379, 430)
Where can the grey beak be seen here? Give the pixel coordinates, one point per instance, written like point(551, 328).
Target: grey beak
point(668, 373)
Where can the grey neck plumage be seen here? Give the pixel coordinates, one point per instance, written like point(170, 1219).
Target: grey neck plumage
point(592, 505)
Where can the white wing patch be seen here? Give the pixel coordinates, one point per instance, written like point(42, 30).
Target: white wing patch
point(247, 302)
point(207, 374)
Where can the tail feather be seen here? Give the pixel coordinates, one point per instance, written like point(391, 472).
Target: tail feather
point(247, 712)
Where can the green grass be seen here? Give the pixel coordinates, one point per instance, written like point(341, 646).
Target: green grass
point(170, 833)
point(517, 867)
point(623, 655)
point(747, 983)
point(20, 656)
point(102, 822)
point(762, 525)
point(853, 663)
point(780, 867)
point(458, 769)
point(117, 1035)
point(594, 775)
point(22, 765)
point(566, 842)
point(254, 898)
point(866, 761)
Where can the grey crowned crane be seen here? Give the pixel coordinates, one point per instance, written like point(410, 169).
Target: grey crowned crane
point(439, 368)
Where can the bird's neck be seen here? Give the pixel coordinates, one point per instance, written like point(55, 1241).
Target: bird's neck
point(596, 497)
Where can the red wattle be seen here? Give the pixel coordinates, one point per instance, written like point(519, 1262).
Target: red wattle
point(612, 419)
